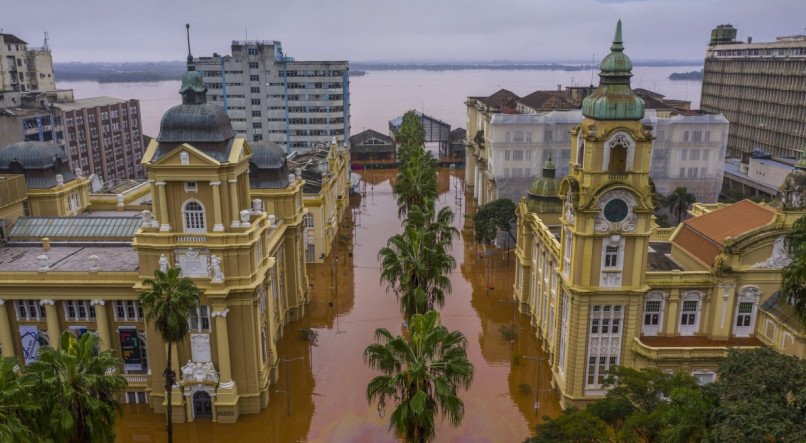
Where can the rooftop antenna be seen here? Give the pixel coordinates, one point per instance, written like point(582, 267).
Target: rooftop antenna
point(593, 63)
point(46, 41)
point(187, 30)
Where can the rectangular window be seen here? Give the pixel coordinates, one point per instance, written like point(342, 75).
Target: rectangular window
point(128, 310)
point(254, 78)
point(310, 252)
point(255, 113)
point(605, 321)
point(255, 102)
point(685, 138)
point(611, 256)
point(517, 155)
point(683, 153)
point(257, 125)
point(30, 310)
point(199, 319)
point(695, 154)
point(252, 65)
point(254, 90)
point(79, 310)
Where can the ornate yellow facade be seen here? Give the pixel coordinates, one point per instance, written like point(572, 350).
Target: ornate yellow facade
point(228, 212)
point(605, 286)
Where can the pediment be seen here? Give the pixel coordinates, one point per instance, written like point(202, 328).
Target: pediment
point(186, 155)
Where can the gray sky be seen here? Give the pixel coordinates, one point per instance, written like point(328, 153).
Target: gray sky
point(404, 30)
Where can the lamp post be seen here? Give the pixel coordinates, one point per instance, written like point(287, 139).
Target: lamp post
point(537, 384)
point(287, 392)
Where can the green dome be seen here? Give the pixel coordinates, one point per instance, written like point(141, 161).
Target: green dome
point(543, 195)
point(614, 99)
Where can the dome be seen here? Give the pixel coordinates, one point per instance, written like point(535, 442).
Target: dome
point(614, 99)
point(543, 196)
point(195, 123)
point(268, 167)
point(40, 162)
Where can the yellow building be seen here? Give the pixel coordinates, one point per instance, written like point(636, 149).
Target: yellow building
point(605, 286)
point(228, 212)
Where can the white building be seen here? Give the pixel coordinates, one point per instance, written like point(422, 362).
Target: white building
point(23, 68)
point(269, 96)
point(688, 151)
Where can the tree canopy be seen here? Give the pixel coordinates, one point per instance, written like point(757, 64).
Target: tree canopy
point(498, 215)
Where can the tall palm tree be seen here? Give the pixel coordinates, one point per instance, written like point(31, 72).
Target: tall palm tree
point(18, 408)
point(79, 384)
point(439, 223)
point(417, 182)
point(421, 376)
point(793, 276)
point(167, 303)
point(414, 260)
point(679, 202)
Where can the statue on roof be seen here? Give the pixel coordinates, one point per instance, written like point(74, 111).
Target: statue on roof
point(792, 193)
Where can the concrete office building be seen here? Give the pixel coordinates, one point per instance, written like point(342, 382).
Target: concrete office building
point(761, 90)
point(23, 68)
point(269, 96)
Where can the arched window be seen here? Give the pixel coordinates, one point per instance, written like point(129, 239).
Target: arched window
point(193, 215)
point(307, 220)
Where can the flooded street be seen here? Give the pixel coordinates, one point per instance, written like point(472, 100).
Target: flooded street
point(321, 393)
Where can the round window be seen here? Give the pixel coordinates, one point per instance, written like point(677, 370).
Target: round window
point(616, 210)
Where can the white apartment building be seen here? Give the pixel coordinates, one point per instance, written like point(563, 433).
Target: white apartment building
point(23, 68)
point(688, 151)
point(269, 96)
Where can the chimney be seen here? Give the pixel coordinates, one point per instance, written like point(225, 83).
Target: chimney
point(46, 244)
point(559, 87)
point(749, 39)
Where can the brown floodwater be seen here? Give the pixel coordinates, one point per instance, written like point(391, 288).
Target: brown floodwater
point(325, 399)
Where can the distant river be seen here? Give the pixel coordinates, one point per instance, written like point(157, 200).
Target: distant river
point(380, 96)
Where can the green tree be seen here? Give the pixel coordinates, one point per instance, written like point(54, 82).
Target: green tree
point(167, 304)
point(439, 223)
point(421, 374)
point(416, 183)
point(574, 425)
point(410, 137)
point(685, 417)
point(415, 266)
point(793, 276)
point(498, 215)
point(760, 396)
point(679, 202)
point(19, 420)
point(79, 387)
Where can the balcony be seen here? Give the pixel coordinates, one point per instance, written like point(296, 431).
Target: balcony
point(618, 175)
point(137, 380)
point(680, 278)
point(689, 348)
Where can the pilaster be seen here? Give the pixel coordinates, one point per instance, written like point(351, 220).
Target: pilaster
point(219, 225)
point(6, 340)
point(226, 399)
point(233, 201)
point(102, 323)
point(53, 321)
point(163, 203)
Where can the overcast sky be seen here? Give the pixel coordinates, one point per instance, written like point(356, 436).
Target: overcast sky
point(399, 30)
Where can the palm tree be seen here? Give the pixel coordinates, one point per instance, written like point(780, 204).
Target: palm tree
point(679, 202)
point(421, 376)
point(414, 260)
point(167, 304)
point(417, 182)
point(439, 223)
point(18, 407)
point(79, 385)
point(793, 276)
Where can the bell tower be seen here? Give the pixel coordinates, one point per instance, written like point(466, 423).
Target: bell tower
point(605, 227)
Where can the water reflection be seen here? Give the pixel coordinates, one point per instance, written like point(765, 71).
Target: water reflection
point(321, 392)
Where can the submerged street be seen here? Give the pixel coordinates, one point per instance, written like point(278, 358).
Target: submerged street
point(321, 393)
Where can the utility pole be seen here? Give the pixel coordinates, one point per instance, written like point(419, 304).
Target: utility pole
point(287, 376)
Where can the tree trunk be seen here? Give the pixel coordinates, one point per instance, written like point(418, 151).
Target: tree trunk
point(169, 382)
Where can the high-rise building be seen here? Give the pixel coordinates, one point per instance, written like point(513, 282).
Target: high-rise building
point(269, 96)
point(102, 136)
point(761, 90)
point(23, 68)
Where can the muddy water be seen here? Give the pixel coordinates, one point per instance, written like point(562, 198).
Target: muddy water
point(321, 393)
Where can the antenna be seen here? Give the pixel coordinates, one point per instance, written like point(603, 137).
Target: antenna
point(190, 57)
point(593, 63)
point(46, 40)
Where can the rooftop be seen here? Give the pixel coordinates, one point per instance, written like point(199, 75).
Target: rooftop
point(660, 258)
point(500, 96)
point(777, 306)
point(87, 228)
point(546, 101)
point(13, 39)
point(705, 235)
point(69, 258)
point(84, 103)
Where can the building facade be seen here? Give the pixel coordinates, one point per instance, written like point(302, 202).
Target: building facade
point(270, 96)
point(761, 90)
point(24, 68)
point(102, 136)
point(605, 286)
point(229, 213)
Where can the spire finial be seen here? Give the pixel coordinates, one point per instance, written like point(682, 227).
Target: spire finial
point(617, 40)
point(190, 57)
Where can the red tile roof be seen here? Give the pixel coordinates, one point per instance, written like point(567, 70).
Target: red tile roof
point(704, 236)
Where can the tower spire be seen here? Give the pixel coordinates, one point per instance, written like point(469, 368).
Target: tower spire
point(191, 66)
point(618, 43)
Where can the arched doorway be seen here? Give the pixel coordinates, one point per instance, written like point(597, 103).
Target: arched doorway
point(202, 405)
point(618, 158)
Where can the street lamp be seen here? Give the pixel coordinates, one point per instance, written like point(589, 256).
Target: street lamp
point(537, 384)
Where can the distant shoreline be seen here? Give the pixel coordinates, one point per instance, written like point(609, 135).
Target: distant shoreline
point(173, 71)
point(692, 75)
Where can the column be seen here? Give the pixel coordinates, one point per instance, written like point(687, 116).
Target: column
point(102, 323)
point(53, 322)
point(233, 201)
point(5, 331)
point(218, 226)
point(163, 203)
point(222, 342)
